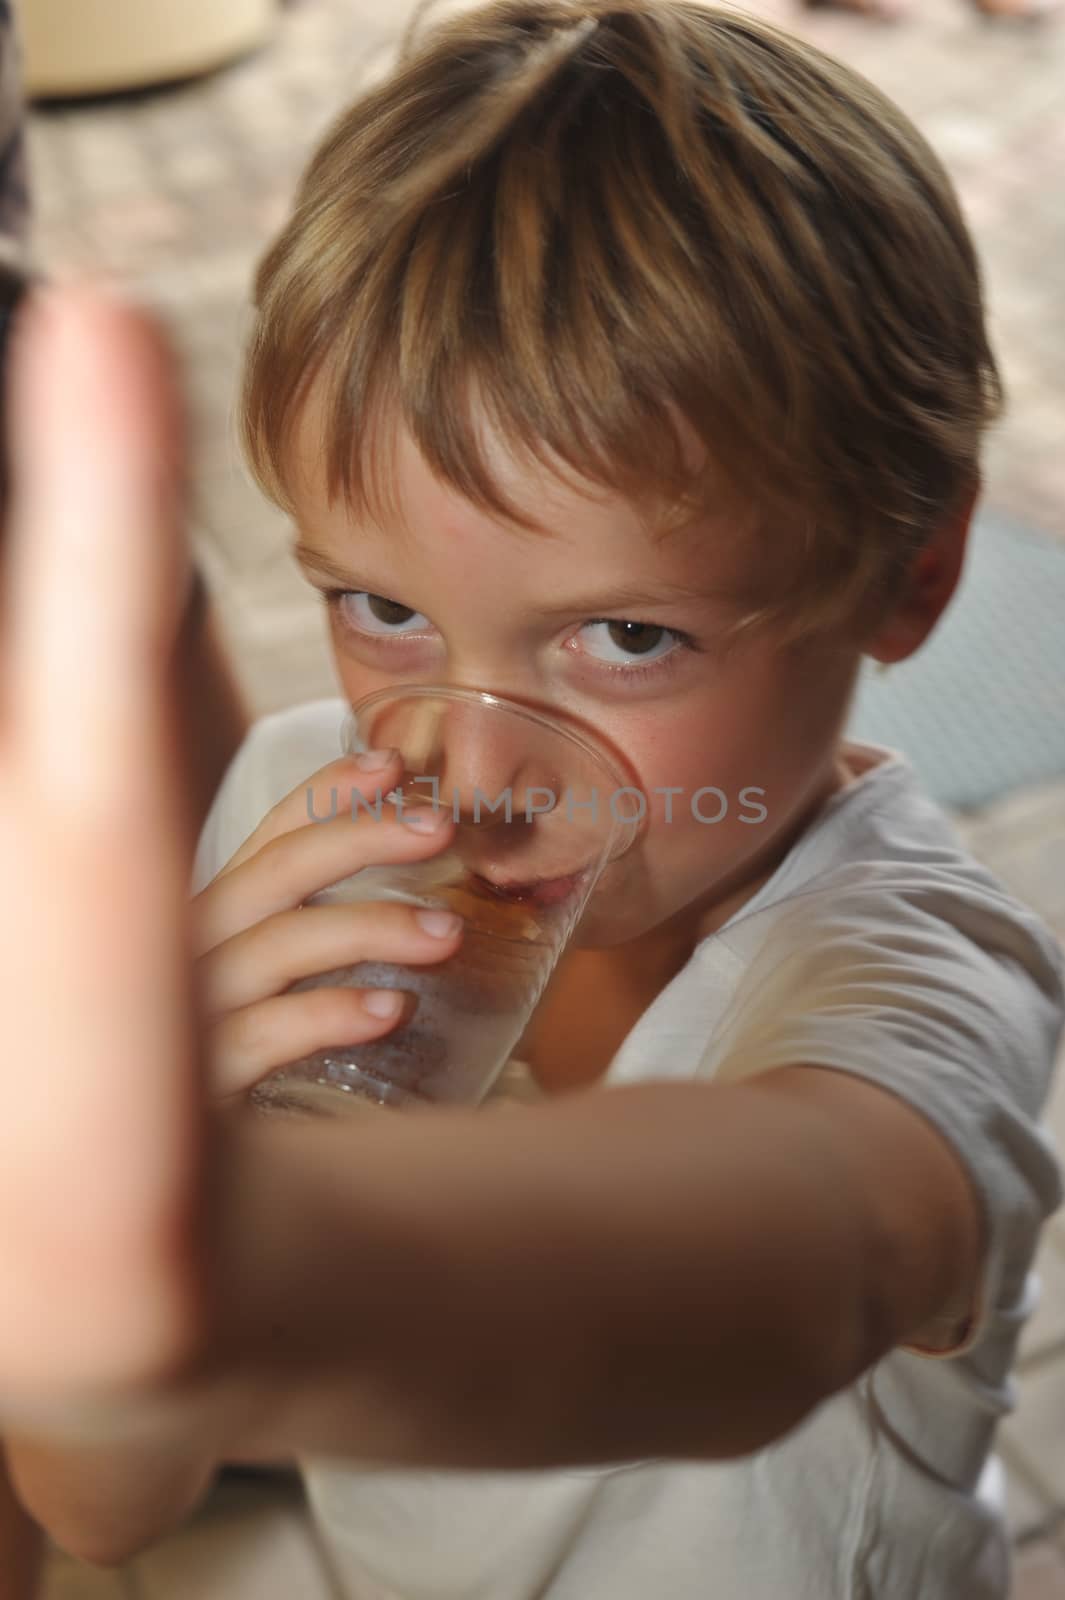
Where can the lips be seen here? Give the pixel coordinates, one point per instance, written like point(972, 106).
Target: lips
point(540, 892)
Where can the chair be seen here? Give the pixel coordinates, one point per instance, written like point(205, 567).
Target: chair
point(81, 47)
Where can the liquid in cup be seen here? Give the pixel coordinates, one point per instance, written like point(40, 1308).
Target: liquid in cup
point(472, 1009)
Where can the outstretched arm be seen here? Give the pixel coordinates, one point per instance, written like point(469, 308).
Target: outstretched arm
point(666, 1270)
point(661, 1270)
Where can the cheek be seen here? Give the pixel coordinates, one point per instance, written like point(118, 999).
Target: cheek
point(691, 772)
point(728, 745)
point(752, 745)
point(802, 711)
point(769, 721)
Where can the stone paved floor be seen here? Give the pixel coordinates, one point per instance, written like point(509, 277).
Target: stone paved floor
point(171, 193)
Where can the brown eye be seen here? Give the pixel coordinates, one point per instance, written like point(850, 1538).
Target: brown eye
point(636, 638)
point(389, 611)
point(631, 647)
point(375, 616)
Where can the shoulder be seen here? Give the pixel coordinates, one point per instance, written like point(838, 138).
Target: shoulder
point(277, 753)
point(935, 1000)
point(922, 967)
point(884, 882)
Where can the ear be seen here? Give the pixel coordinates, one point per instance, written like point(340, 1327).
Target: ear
point(932, 580)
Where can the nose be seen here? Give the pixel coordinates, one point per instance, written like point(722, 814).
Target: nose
point(482, 763)
point(487, 770)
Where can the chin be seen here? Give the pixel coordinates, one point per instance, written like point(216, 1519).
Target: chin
point(621, 908)
point(604, 926)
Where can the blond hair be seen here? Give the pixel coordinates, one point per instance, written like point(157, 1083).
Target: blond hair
point(601, 215)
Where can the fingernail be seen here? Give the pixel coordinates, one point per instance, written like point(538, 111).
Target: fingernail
point(438, 923)
point(382, 1002)
point(374, 760)
point(424, 821)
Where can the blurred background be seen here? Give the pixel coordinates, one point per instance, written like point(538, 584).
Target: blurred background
point(162, 143)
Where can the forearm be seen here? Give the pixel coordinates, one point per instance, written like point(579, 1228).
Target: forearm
point(658, 1271)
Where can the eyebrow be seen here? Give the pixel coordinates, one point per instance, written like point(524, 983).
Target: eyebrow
point(605, 602)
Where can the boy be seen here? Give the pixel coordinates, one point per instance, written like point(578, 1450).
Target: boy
point(663, 338)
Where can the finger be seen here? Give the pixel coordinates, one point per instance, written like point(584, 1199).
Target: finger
point(246, 1046)
point(345, 787)
point(291, 945)
point(265, 959)
point(299, 863)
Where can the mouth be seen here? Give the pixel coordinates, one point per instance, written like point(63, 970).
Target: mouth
point(538, 892)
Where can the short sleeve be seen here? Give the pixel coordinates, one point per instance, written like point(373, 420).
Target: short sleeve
point(951, 999)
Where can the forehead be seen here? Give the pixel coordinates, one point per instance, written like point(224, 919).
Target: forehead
point(578, 524)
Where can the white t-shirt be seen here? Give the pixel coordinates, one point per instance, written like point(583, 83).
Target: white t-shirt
point(878, 947)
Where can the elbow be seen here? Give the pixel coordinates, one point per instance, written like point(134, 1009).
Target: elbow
point(840, 1345)
point(790, 1375)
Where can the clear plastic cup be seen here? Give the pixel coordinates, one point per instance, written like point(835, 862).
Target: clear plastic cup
point(541, 810)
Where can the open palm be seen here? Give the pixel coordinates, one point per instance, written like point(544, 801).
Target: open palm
point(100, 1107)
